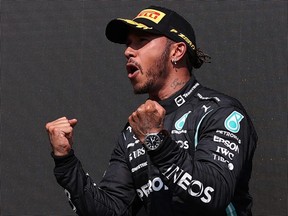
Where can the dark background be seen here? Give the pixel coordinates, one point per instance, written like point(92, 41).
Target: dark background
point(56, 61)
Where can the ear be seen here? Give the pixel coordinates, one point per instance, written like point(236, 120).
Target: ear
point(178, 51)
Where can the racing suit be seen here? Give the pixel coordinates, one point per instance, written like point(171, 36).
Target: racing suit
point(202, 168)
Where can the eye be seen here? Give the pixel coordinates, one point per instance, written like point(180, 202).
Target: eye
point(143, 41)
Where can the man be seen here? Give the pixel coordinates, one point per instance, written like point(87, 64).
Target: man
point(186, 151)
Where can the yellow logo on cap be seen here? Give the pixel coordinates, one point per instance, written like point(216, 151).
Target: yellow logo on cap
point(136, 24)
point(184, 37)
point(152, 15)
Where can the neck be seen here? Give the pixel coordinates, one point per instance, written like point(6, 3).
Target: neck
point(171, 86)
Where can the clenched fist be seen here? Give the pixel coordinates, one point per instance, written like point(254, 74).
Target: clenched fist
point(60, 134)
point(148, 118)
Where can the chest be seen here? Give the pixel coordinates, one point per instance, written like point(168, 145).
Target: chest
point(182, 127)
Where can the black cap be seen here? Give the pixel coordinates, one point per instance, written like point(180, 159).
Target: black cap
point(162, 21)
point(156, 20)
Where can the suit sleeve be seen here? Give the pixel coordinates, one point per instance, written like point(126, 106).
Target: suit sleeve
point(113, 196)
point(208, 176)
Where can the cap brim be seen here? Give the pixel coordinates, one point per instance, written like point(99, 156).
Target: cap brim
point(117, 30)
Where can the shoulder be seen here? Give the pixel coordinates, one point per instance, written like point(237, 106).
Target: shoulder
point(224, 111)
point(217, 98)
point(219, 107)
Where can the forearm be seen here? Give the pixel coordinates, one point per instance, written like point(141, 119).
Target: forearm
point(87, 198)
point(194, 181)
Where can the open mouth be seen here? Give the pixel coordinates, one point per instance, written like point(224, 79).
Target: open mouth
point(132, 70)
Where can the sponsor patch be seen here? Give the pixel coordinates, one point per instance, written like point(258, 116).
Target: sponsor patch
point(180, 122)
point(232, 122)
point(152, 15)
point(195, 188)
point(179, 100)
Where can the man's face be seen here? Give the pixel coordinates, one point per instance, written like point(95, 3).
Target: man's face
point(147, 59)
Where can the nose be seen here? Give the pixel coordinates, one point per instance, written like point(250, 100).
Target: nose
point(129, 52)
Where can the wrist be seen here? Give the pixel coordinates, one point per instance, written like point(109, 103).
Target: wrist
point(62, 151)
point(154, 140)
point(64, 161)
